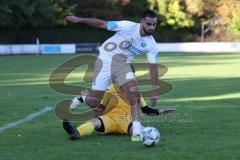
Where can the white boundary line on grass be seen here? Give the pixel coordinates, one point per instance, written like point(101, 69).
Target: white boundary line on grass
point(26, 119)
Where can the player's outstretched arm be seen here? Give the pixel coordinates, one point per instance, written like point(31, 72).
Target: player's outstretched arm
point(98, 23)
point(154, 112)
point(154, 79)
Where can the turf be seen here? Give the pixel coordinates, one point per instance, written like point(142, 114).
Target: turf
point(206, 95)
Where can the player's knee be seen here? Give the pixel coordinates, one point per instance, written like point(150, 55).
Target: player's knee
point(96, 122)
point(93, 100)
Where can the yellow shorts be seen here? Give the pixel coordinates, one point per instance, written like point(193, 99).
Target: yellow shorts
point(117, 117)
point(116, 123)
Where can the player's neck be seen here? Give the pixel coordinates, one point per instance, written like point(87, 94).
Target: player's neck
point(142, 32)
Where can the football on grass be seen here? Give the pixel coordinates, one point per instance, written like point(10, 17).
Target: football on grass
point(149, 136)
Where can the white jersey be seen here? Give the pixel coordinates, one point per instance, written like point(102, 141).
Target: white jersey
point(128, 41)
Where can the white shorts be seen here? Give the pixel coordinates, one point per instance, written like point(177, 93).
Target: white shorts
point(110, 70)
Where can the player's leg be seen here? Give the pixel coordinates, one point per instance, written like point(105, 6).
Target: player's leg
point(109, 123)
point(88, 127)
point(71, 130)
point(93, 99)
point(101, 82)
point(126, 80)
point(134, 97)
point(83, 130)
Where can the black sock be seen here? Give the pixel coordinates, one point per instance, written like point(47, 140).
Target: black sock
point(81, 100)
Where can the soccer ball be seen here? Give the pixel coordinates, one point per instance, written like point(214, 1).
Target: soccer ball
point(149, 136)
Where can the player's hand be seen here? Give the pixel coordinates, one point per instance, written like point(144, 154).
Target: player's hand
point(165, 111)
point(154, 98)
point(72, 19)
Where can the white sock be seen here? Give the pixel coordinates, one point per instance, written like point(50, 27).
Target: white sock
point(136, 128)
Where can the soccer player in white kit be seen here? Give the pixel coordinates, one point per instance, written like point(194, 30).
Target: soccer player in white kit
point(113, 63)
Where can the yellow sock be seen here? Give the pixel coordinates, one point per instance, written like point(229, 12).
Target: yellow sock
point(86, 128)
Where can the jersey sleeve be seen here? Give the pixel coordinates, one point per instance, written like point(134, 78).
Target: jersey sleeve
point(152, 54)
point(119, 25)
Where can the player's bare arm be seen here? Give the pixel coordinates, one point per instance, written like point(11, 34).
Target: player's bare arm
point(98, 23)
point(154, 80)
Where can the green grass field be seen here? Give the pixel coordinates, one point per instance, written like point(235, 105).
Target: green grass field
point(206, 96)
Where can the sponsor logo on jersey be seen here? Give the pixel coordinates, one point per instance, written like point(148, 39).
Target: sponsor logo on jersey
point(128, 46)
point(143, 44)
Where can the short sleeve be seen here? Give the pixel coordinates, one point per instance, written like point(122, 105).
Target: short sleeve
point(119, 25)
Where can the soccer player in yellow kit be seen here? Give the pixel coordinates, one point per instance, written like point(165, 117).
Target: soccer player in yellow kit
point(116, 117)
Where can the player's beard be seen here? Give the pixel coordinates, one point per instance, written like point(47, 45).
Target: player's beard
point(149, 33)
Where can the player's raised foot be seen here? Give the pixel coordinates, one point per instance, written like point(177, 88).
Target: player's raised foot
point(75, 102)
point(78, 100)
point(135, 138)
point(71, 130)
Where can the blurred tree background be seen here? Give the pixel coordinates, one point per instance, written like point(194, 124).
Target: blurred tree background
point(22, 21)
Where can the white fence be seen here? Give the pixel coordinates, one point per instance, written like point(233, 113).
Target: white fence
point(211, 47)
point(19, 49)
point(207, 47)
point(38, 49)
